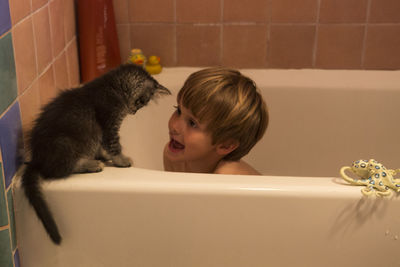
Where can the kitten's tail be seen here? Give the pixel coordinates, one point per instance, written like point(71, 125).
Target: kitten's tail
point(30, 183)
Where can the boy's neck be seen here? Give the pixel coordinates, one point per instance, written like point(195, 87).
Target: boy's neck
point(201, 166)
point(190, 167)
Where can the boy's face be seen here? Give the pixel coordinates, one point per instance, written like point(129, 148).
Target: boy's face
point(189, 140)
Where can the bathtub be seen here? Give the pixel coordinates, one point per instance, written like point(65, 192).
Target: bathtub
point(299, 213)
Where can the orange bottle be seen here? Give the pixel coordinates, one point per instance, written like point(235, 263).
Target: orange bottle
point(98, 40)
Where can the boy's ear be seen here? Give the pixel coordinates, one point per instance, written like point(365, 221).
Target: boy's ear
point(227, 147)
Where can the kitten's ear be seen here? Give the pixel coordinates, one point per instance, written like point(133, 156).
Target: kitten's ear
point(161, 90)
point(158, 88)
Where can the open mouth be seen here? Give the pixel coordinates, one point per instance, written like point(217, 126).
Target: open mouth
point(175, 146)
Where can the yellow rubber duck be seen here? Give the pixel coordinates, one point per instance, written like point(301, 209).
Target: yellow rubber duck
point(153, 65)
point(137, 57)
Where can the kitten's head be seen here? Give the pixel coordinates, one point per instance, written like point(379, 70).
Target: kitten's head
point(138, 86)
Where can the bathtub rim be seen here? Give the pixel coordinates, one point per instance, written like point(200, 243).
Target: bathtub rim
point(140, 180)
point(300, 78)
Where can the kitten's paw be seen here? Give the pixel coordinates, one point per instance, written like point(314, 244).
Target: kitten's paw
point(88, 165)
point(102, 155)
point(121, 161)
point(96, 167)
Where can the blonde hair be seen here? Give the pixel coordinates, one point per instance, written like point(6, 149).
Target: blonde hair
point(230, 105)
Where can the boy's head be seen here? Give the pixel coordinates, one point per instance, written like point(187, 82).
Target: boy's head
point(230, 105)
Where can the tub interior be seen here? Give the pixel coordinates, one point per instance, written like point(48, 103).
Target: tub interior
point(319, 121)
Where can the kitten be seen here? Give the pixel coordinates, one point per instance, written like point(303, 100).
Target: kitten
point(79, 127)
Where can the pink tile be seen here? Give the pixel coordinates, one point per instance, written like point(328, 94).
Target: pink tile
point(73, 64)
point(124, 40)
point(61, 72)
point(382, 47)
point(291, 46)
point(29, 104)
point(57, 26)
point(38, 3)
point(25, 58)
point(340, 11)
point(244, 46)
point(385, 11)
point(285, 11)
point(19, 9)
point(206, 11)
point(198, 45)
point(47, 89)
point(250, 11)
point(121, 11)
point(41, 25)
point(69, 20)
point(155, 40)
point(339, 46)
point(151, 11)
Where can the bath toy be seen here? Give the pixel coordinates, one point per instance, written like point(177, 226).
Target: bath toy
point(153, 65)
point(137, 57)
point(374, 176)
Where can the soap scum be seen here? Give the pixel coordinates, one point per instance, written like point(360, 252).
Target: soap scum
point(219, 117)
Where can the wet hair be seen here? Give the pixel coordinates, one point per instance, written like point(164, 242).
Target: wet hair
point(230, 104)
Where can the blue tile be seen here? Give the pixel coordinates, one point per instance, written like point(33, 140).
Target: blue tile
point(8, 78)
point(6, 259)
point(11, 142)
point(3, 206)
point(5, 20)
point(16, 259)
point(12, 220)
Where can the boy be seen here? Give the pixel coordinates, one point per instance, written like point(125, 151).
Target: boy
point(220, 116)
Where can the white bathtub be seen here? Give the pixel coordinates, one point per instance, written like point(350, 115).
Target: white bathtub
point(143, 216)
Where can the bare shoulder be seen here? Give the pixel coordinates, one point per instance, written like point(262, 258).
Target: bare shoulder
point(235, 167)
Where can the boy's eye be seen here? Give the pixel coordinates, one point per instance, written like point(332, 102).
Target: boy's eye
point(192, 123)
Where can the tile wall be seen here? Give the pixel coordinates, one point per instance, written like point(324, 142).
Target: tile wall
point(38, 57)
point(326, 34)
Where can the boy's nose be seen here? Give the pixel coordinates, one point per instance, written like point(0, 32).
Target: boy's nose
point(174, 125)
point(173, 131)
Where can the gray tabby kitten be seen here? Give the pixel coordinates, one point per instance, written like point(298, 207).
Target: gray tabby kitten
point(80, 127)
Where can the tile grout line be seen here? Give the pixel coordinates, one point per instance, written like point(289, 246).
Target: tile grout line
point(9, 107)
point(8, 215)
point(3, 181)
point(129, 29)
point(364, 43)
point(315, 48)
point(5, 227)
point(221, 32)
point(66, 50)
point(268, 36)
point(51, 29)
point(175, 34)
point(35, 45)
point(5, 33)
